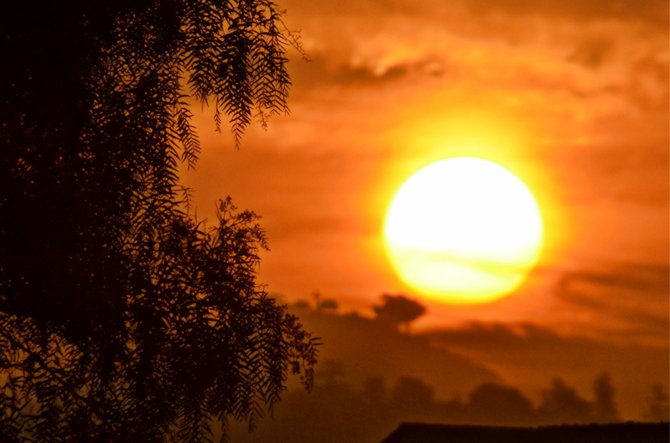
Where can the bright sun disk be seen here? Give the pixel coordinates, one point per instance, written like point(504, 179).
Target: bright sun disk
point(463, 230)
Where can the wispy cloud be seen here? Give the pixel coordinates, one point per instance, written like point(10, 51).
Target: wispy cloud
point(631, 302)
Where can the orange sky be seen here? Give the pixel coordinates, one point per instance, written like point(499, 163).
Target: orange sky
point(570, 96)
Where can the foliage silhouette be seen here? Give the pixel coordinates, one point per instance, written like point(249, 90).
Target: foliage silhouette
point(658, 407)
point(374, 390)
point(122, 317)
point(498, 403)
point(605, 409)
point(341, 410)
point(399, 310)
point(412, 391)
point(563, 403)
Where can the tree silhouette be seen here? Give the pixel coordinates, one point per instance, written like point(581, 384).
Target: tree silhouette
point(497, 404)
point(562, 404)
point(658, 409)
point(605, 409)
point(412, 392)
point(122, 317)
point(399, 310)
point(374, 391)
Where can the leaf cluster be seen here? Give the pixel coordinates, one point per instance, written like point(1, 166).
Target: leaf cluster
point(122, 317)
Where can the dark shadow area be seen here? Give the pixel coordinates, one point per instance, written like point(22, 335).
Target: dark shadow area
point(614, 433)
point(122, 316)
point(372, 376)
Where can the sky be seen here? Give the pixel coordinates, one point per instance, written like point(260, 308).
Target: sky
point(570, 96)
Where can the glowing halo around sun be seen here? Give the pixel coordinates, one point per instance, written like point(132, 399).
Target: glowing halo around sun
point(463, 230)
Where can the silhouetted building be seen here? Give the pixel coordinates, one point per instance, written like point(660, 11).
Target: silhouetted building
point(611, 433)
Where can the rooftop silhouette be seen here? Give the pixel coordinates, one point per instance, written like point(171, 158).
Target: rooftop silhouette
point(611, 433)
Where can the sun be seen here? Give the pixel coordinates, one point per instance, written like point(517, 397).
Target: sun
point(463, 230)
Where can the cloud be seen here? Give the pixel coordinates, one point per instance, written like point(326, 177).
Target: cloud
point(651, 280)
point(630, 301)
point(653, 12)
point(592, 51)
point(320, 70)
point(521, 337)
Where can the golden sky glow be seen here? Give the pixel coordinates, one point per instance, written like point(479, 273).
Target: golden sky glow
point(463, 230)
point(571, 96)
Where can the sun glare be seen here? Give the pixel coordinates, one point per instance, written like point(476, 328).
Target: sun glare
point(463, 230)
